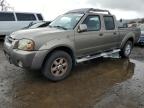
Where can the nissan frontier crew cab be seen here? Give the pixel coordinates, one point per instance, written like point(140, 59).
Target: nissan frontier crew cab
point(76, 36)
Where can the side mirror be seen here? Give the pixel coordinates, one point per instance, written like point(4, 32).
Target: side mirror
point(82, 28)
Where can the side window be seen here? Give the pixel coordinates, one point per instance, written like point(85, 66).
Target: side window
point(109, 22)
point(7, 17)
point(25, 17)
point(40, 17)
point(93, 23)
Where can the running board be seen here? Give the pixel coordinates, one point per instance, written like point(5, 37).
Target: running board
point(106, 54)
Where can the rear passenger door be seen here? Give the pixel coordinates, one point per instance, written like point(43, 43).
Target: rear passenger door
point(110, 33)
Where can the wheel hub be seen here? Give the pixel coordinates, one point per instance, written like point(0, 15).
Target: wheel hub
point(128, 49)
point(59, 67)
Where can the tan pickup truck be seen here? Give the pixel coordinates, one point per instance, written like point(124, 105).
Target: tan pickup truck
point(76, 36)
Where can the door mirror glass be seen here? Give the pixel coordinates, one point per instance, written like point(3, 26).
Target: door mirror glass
point(82, 28)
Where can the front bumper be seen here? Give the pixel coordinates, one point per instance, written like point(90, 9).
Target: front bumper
point(25, 59)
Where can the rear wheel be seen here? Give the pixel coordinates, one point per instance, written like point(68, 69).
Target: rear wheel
point(126, 50)
point(57, 66)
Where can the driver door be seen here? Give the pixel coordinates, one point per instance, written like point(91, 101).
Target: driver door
point(90, 41)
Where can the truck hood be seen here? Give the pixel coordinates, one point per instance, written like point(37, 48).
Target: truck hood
point(33, 33)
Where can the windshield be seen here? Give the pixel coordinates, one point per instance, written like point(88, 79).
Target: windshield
point(142, 27)
point(67, 21)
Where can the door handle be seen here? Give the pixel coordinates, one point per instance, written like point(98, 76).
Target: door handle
point(101, 34)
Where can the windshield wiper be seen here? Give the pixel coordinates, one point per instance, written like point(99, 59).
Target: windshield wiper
point(60, 27)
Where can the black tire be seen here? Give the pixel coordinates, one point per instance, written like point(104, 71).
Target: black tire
point(125, 53)
point(53, 67)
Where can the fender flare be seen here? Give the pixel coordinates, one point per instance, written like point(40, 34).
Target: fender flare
point(126, 38)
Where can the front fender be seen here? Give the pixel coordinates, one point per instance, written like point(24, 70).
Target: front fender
point(50, 45)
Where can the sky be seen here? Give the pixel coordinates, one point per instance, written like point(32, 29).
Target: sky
point(50, 9)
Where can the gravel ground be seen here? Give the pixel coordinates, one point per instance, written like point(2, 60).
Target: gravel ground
point(138, 53)
point(105, 83)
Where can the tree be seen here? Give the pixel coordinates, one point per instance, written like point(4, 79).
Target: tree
point(4, 6)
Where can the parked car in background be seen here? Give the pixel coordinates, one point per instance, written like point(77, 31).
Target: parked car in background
point(141, 39)
point(13, 21)
point(74, 37)
point(38, 25)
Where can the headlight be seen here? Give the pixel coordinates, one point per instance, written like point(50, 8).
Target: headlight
point(26, 45)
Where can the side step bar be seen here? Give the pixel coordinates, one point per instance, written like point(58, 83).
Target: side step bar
point(106, 54)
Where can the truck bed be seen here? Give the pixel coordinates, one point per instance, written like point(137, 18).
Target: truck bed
point(136, 31)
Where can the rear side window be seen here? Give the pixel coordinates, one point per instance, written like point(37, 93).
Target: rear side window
point(7, 17)
point(93, 23)
point(40, 17)
point(25, 17)
point(109, 22)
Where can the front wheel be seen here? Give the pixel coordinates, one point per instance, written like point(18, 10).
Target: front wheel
point(57, 66)
point(126, 50)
